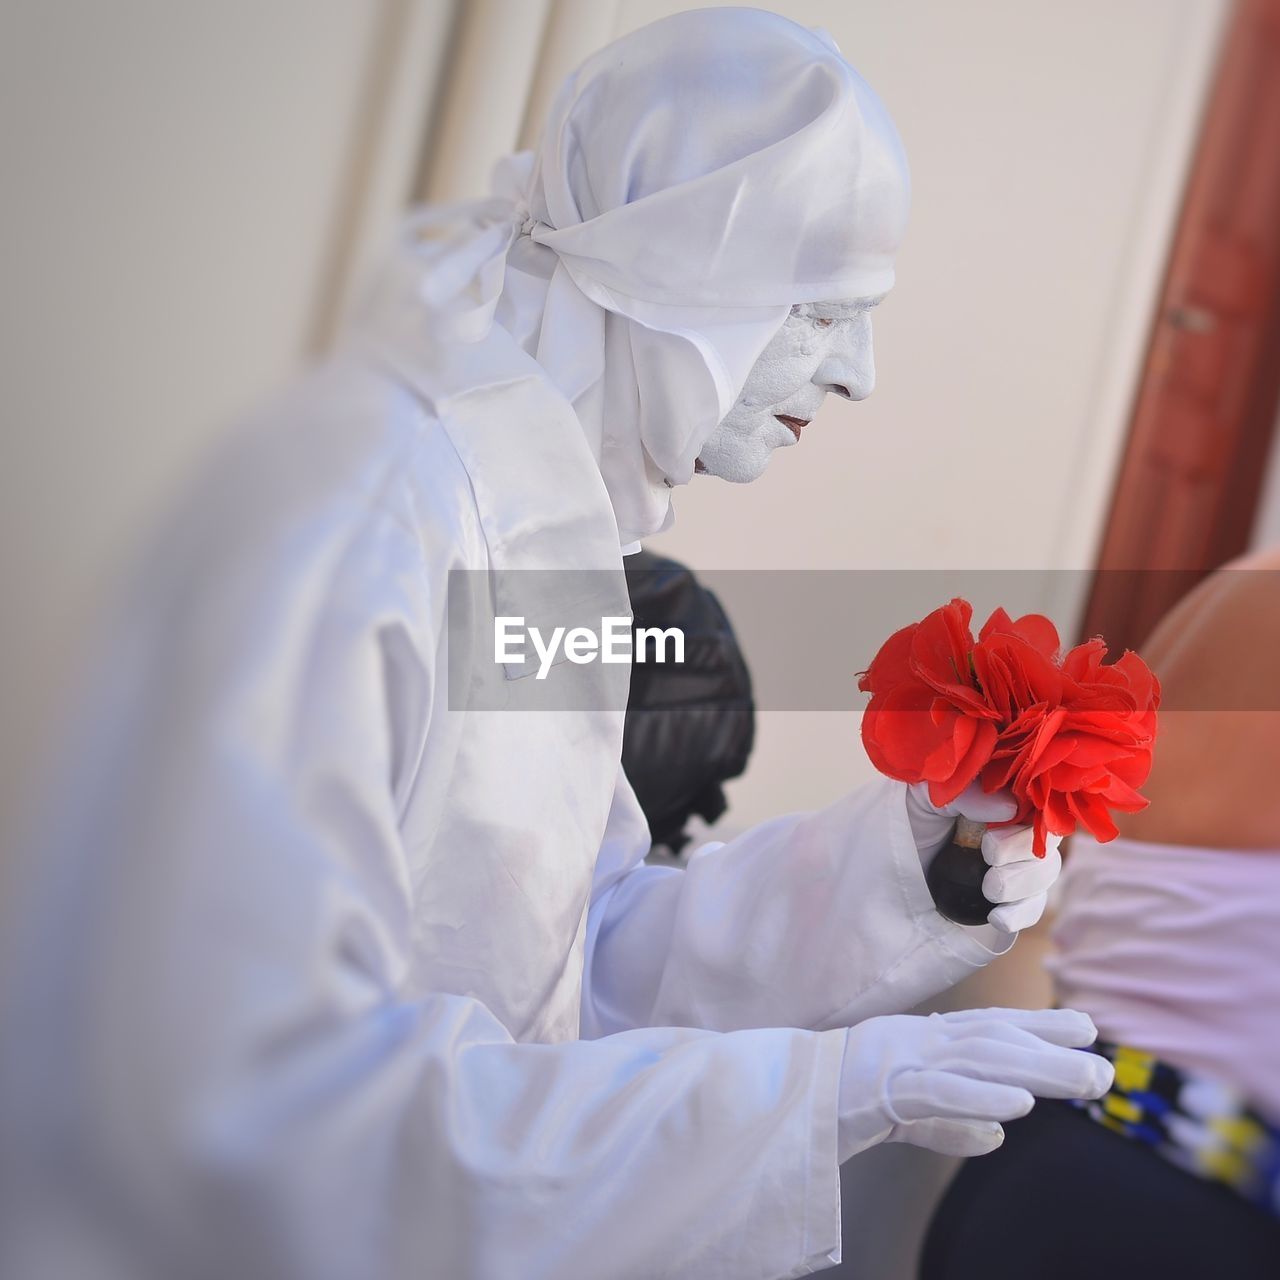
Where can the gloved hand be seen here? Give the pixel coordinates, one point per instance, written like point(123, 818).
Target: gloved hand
point(1018, 880)
point(945, 1081)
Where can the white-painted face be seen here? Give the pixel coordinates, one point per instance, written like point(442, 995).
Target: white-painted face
point(822, 347)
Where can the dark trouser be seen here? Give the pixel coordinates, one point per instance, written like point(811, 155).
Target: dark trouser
point(1066, 1199)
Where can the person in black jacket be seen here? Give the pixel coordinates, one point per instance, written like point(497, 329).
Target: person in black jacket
point(690, 726)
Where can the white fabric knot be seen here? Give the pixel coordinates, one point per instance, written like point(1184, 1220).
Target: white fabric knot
point(460, 250)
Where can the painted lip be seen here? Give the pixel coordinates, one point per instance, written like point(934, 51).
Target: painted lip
point(794, 425)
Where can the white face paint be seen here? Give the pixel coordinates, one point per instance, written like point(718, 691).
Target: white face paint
point(822, 347)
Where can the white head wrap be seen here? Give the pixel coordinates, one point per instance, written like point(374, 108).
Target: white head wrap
point(695, 180)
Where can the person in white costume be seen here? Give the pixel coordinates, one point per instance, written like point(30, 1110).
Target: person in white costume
point(330, 969)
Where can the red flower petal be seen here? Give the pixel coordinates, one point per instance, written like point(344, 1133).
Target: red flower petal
point(1069, 735)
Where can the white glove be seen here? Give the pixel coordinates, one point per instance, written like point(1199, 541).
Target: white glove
point(945, 1081)
point(1018, 880)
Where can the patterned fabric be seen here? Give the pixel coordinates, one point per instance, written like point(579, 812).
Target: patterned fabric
point(1202, 1126)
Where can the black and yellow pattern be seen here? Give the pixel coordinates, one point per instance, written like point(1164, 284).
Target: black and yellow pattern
point(1202, 1126)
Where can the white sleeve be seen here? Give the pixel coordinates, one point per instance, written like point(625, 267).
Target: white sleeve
point(811, 920)
point(246, 1085)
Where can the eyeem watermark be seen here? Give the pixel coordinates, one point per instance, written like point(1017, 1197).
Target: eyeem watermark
point(804, 633)
point(615, 641)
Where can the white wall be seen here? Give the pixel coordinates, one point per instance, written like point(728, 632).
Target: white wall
point(187, 190)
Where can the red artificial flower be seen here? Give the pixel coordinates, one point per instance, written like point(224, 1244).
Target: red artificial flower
point(1070, 737)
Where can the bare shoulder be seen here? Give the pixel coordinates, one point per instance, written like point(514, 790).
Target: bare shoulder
point(1213, 780)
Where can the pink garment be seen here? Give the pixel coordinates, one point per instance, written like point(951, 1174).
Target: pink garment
point(1176, 950)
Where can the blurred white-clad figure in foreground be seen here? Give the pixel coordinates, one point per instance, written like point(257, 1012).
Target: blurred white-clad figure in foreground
point(341, 959)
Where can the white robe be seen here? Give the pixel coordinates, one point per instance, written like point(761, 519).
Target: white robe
point(323, 976)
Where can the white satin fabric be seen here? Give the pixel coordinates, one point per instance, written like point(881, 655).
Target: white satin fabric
point(695, 180)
